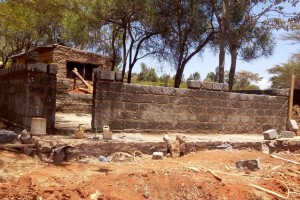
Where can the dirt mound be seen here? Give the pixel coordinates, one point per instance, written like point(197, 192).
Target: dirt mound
point(149, 179)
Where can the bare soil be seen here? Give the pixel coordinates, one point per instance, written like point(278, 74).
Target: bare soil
point(23, 177)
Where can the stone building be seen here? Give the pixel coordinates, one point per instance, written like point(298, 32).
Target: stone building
point(67, 59)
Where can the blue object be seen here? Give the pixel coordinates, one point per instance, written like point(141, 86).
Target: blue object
point(103, 159)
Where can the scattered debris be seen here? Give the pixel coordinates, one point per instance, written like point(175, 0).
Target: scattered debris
point(29, 151)
point(103, 159)
point(121, 157)
point(96, 195)
point(213, 173)
point(276, 167)
point(292, 125)
point(287, 134)
point(270, 134)
point(60, 154)
point(251, 165)
point(25, 137)
point(146, 193)
point(89, 88)
point(224, 146)
point(157, 155)
point(269, 191)
point(291, 161)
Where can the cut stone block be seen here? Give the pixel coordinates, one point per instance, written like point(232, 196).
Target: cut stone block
point(251, 165)
point(119, 76)
point(194, 84)
point(292, 125)
point(207, 85)
point(157, 155)
point(225, 87)
point(287, 134)
point(270, 134)
point(107, 75)
point(217, 86)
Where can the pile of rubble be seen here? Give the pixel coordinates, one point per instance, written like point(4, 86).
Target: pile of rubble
point(19, 140)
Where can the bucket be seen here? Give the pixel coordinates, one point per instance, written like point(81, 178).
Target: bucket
point(38, 126)
point(106, 133)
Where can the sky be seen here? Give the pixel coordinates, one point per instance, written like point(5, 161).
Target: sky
point(208, 61)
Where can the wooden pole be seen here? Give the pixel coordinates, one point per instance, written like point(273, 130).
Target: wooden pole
point(291, 97)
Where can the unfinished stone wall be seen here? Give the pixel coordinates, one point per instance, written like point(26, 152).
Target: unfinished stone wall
point(28, 91)
point(199, 110)
point(72, 103)
point(62, 54)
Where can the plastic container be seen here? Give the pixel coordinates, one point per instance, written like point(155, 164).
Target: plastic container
point(107, 134)
point(79, 133)
point(38, 126)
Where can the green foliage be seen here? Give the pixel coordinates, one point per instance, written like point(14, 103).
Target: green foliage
point(243, 80)
point(147, 74)
point(194, 76)
point(281, 74)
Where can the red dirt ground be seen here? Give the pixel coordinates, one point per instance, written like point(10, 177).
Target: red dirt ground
point(23, 177)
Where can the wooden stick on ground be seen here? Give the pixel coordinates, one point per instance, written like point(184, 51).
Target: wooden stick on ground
point(16, 145)
point(269, 191)
point(287, 160)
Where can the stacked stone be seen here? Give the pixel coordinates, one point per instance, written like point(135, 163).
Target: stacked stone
point(206, 108)
point(28, 91)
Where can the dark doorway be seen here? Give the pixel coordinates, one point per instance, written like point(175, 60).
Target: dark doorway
point(84, 69)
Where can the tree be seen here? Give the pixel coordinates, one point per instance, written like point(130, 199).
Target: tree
point(147, 74)
point(244, 28)
point(194, 76)
point(26, 24)
point(190, 30)
point(281, 74)
point(244, 79)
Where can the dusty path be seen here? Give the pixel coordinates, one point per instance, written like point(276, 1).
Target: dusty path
point(22, 177)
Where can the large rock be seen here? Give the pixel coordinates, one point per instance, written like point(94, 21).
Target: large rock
point(252, 165)
point(292, 125)
point(7, 136)
point(157, 155)
point(287, 134)
point(270, 134)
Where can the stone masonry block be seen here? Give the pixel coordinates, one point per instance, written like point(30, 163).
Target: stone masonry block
point(217, 86)
point(157, 155)
point(251, 165)
point(107, 75)
point(194, 84)
point(270, 134)
point(37, 67)
point(52, 68)
point(225, 87)
point(206, 85)
point(292, 125)
point(119, 76)
point(280, 92)
point(287, 134)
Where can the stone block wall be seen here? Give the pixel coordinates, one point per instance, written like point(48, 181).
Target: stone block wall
point(28, 91)
point(159, 109)
point(72, 103)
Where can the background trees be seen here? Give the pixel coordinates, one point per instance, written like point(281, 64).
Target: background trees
point(127, 31)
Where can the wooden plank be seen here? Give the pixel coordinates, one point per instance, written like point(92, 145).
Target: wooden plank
point(291, 96)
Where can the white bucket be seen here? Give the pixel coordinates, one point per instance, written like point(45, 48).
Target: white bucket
point(106, 133)
point(38, 126)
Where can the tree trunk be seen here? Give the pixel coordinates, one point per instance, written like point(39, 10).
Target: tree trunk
point(222, 56)
point(232, 68)
point(124, 52)
point(178, 76)
point(129, 74)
